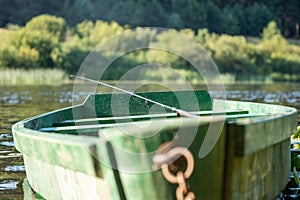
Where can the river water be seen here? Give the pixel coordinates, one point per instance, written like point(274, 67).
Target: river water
point(17, 103)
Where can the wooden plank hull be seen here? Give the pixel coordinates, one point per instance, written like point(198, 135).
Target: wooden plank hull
point(56, 182)
point(251, 159)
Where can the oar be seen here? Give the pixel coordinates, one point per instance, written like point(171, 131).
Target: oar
point(179, 112)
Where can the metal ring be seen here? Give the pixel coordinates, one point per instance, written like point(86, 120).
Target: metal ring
point(181, 180)
point(180, 193)
point(190, 164)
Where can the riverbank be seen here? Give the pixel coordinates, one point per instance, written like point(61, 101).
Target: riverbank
point(57, 45)
point(11, 77)
point(18, 77)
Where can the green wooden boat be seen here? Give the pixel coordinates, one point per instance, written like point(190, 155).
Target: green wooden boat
point(92, 151)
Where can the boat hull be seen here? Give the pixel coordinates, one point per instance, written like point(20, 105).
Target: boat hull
point(251, 159)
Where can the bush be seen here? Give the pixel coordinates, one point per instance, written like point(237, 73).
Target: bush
point(270, 31)
point(47, 24)
point(230, 54)
point(70, 54)
point(36, 41)
point(46, 42)
point(23, 57)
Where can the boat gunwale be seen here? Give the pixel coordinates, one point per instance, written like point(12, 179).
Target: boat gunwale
point(290, 111)
point(20, 131)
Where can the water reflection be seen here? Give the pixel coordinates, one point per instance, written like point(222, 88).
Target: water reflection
point(290, 97)
point(8, 184)
point(14, 168)
point(282, 94)
point(7, 143)
point(17, 103)
point(5, 136)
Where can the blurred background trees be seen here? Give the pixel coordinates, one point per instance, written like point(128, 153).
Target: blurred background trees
point(243, 37)
point(234, 17)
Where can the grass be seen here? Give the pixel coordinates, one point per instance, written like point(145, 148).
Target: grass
point(33, 77)
point(11, 77)
point(193, 77)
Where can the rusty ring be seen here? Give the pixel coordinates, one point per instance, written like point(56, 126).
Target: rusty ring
point(190, 164)
point(180, 193)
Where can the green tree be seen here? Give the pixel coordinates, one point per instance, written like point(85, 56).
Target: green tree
point(87, 35)
point(20, 12)
point(82, 9)
point(47, 24)
point(270, 31)
point(148, 13)
point(191, 12)
point(70, 54)
point(238, 11)
point(232, 55)
point(257, 17)
point(22, 57)
point(167, 5)
point(138, 13)
point(194, 14)
point(229, 22)
point(122, 11)
point(202, 36)
point(175, 21)
point(42, 33)
point(273, 41)
point(214, 17)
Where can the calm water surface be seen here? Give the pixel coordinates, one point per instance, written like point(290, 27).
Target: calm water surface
point(17, 103)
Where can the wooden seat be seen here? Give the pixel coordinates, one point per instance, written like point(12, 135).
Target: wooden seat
point(93, 124)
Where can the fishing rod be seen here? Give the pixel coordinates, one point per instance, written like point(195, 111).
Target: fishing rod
point(179, 112)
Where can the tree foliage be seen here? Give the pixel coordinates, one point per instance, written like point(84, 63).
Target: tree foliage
point(46, 41)
point(270, 31)
point(31, 46)
point(234, 17)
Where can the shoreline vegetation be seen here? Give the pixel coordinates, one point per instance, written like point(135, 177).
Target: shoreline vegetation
point(55, 77)
point(47, 50)
point(18, 77)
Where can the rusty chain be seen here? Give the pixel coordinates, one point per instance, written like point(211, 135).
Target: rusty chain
point(165, 158)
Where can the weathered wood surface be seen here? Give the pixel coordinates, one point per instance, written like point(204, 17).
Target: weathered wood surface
point(62, 183)
point(261, 175)
point(244, 164)
point(106, 120)
point(28, 193)
point(208, 171)
point(120, 104)
point(87, 125)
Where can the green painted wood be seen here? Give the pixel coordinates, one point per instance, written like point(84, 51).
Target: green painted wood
point(114, 165)
point(105, 120)
point(101, 106)
point(29, 194)
point(258, 152)
point(254, 134)
point(81, 129)
point(120, 104)
point(63, 150)
point(261, 175)
point(245, 138)
point(207, 171)
point(56, 182)
point(57, 157)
